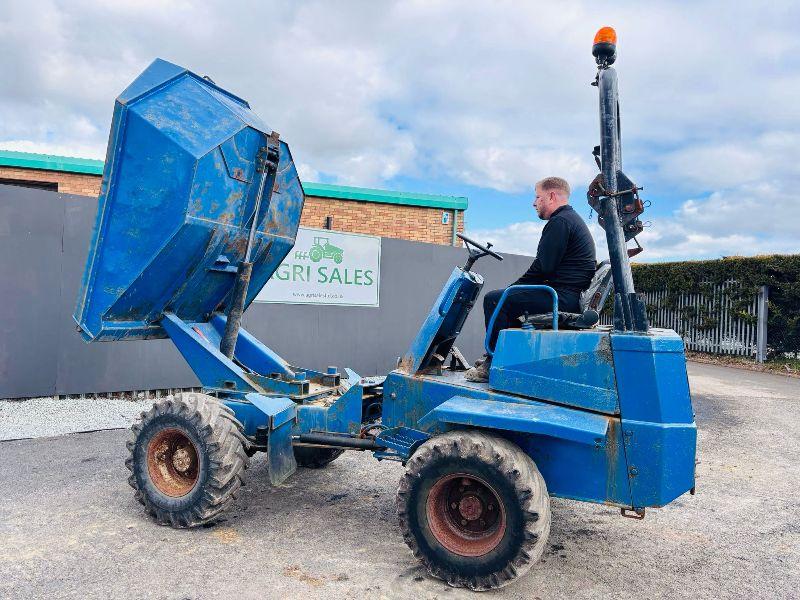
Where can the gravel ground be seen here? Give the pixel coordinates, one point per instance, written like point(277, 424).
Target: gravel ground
point(70, 528)
point(44, 417)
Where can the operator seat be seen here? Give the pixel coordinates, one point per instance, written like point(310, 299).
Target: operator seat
point(591, 303)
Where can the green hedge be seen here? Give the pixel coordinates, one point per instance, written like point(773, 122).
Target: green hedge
point(780, 272)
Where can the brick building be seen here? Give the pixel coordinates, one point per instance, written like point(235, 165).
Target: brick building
point(47, 172)
point(418, 217)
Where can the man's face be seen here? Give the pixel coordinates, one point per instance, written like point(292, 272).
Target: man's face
point(543, 203)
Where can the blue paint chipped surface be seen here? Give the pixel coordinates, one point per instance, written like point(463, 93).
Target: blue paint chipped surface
point(529, 417)
point(178, 194)
point(574, 368)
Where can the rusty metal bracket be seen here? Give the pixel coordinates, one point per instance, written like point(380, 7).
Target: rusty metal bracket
point(632, 513)
point(268, 156)
point(629, 203)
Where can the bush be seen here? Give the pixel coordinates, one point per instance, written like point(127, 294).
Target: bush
point(780, 272)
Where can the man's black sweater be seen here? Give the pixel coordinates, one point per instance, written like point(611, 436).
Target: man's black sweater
point(565, 258)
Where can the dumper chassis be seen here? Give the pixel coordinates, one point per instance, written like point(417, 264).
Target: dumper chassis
point(199, 205)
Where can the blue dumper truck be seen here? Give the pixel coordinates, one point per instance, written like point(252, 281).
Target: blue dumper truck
point(201, 201)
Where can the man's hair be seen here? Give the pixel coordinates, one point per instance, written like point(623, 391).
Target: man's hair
point(554, 184)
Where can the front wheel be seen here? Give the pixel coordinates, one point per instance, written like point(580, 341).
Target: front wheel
point(187, 459)
point(474, 509)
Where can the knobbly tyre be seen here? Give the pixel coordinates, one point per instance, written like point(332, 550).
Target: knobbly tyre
point(199, 205)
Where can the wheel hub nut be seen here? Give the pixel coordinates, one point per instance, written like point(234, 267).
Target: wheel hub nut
point(470, 507)
point(181, 460)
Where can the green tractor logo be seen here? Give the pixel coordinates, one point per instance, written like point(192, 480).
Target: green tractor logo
point(323, 248)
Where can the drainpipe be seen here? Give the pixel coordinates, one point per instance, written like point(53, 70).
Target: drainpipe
point(455, 226)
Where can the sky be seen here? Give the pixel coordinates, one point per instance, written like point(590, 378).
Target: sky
point(480, 99)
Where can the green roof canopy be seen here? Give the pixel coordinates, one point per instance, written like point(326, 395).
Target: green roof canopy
point(50, 162)
point(71, 164)
point(326, 190)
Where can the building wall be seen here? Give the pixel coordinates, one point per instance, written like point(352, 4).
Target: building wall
point(415, 223)
point(68, 183)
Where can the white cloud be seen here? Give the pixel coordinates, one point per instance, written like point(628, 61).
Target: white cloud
point(491, 94)
point(321, 91)
point(518, 169)
point(730, 164)
point(80, 150)
point(746, 220)
point(761, 209)
point(307, 172)
point(516, 238)
point(523, 237)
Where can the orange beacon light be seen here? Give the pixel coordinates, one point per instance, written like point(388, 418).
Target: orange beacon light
point(605, 46)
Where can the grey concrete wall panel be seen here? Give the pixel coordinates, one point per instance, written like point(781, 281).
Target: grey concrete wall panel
point(45, 239)
point(30, 263)
point(104, 366)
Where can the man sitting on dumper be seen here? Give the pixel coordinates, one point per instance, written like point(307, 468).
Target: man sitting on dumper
point(565, 260)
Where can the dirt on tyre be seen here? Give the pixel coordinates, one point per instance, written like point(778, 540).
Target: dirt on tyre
point(474, 509)
point(315, 458)
point(187, 459)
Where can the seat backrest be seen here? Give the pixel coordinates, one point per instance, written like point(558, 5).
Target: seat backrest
point(594, 298)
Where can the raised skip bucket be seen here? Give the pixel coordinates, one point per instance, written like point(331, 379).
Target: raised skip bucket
point(175, 207)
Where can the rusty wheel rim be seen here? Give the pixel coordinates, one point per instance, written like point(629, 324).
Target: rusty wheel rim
point(172, 462)
point(465, 515)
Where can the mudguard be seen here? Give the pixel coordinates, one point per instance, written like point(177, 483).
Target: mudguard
point(530, 417)
point(270, 420)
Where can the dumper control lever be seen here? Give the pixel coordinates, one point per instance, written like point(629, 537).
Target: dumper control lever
point(476, 251)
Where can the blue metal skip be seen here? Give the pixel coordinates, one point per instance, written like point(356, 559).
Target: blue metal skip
point(178, 194)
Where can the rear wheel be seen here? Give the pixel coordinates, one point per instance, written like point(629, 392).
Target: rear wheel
point(315, 458)
point(474, 509)
point(187, 459)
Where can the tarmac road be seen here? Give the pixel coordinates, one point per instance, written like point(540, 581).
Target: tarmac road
point(70, 528)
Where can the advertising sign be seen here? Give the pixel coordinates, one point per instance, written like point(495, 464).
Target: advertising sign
point(327, 267)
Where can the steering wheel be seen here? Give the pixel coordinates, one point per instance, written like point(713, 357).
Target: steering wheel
point(484, 249)
point(477, 251)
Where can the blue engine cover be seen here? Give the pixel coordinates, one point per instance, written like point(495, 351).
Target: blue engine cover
point(178, 193)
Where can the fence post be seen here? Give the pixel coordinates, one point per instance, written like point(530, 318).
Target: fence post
point(761, 331)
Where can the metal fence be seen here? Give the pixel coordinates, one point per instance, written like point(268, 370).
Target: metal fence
point(708, 323)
